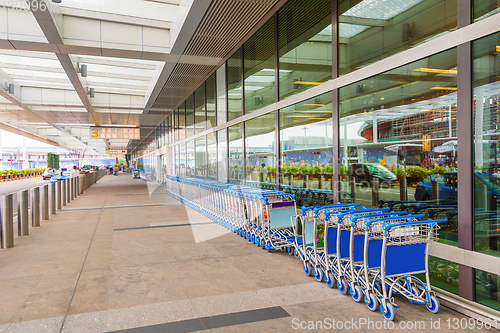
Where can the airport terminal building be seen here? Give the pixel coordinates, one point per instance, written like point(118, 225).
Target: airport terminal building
point(392, 104)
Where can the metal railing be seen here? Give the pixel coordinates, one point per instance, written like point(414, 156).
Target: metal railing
point(39, 203)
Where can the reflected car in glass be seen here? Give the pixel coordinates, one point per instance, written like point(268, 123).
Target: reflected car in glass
point(365, 173)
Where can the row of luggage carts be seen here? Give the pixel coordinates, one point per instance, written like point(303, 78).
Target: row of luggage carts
point(373, 254)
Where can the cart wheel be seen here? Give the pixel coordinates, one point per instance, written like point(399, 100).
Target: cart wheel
point(318, 274)
point(296, 253)
point(357, 294)
point(389, 313)
point(290, 250)
point(434, 307)
point(341, 285)
point(262, 243)
point(371, 301)
point(257, 240)
point(378, 287)
point(330, 280)
point(307, 268)
point(252, 239)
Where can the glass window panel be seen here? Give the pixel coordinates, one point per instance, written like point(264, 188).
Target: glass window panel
point(235, 154)
point(443, 274)
point(306, 135)
point(190, 154)
point(182, 159)
point(487, 144)
point(182, 121)
point(176, 125)
point(402, 124)
point(371, 30)
point(260, 154)
point(199, 96)
point(487, 286)
point(234, 90)
point(305, 45)
point(485, 8)
point(212, 156)
point(211, 97)
point(258, 53)
point(201, 157)
point(221, 95)
point(190, 116)
point(222, 156)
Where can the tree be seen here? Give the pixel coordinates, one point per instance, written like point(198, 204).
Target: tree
point(78, 156)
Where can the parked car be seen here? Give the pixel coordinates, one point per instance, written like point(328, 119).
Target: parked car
point(47, 174)
point(366, 172)
point(448, 188)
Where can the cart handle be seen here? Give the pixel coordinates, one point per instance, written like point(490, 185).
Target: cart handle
point(355, 218)
point(337, 205)
point(363, 209)
point(328, 213)
point(387, 226)
point(369, 222)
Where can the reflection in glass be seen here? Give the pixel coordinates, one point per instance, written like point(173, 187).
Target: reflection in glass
point(182, 159)
point(211, 97)
point(443, 274)
point(487, 144)
point(212, 156)
point(190, 116)
point(235, 154)
point(487, 289)
point(221, 95)
point(258, 54)
point(199, 105)
point(398, 140)
point(485, 8)
point(260, 154)
point(306, 135)
point(190, 158)
point(175, 119)
point(222, 156)
point(201, 157)
point(305, 45)
point(234, 91)
point(182, 121)
point(371, 30)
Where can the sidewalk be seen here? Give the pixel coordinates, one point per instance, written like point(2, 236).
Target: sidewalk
point(125, 256)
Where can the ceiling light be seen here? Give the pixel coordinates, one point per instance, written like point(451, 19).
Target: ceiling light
point(56, 1)
point(83, 70)
point(10, 89)
point(444, 88)
point(91, 92)
point(437, 71)
point(315, 104)
point(498, 48)
point(117, 125)
point(307, 82)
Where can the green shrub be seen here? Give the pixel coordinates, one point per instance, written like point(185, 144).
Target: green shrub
point(398, 172)
point(317, 169)
point(272, 169)
point(343, 170)
point(416, 172)
point(329, 169)
point(437, 169)
point(294, 169)
point(305, 169)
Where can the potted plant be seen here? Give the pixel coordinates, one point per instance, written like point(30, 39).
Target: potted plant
point(294, 169)
point(343, 172)
point(415, 174)
point(329, 169)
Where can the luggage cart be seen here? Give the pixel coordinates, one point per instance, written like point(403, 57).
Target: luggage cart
point(396, 248)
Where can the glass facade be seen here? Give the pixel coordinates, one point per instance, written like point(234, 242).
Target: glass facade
point(258, 55)
point(368, 33)
point(382, 136)
point(234, 86)
point(486, 144)
point(485, 8)
point(236, 154)
point(260, 153)
point(306, 135)
point(305, 45)
point(398, 140)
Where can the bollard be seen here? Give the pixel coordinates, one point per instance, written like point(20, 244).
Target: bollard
point(353, 188)
point(63, 191)
point(73, 195)
point(68, 190)
point(402, 189)
point(53, 198)
point(35, 208)
point(22, 215)
point(59, 195)
point(45, 202)
point(375, 192)
point(435, 191)
point(8, 222)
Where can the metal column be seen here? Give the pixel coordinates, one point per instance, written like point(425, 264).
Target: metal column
point(7, 222)
point(59, 195)
point(68, 188)
point(35, 207)
point(45, 202)
point(22, 214)
point(63, 191)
